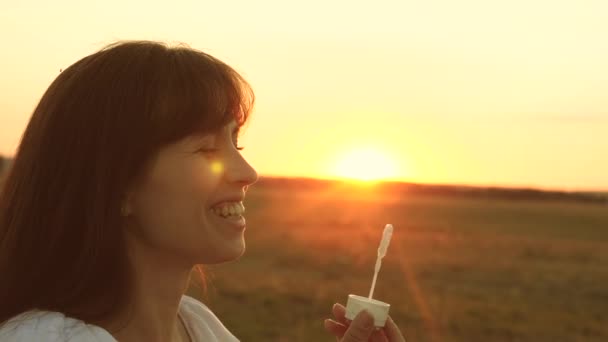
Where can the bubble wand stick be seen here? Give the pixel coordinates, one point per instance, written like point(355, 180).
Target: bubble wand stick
point(386, 239)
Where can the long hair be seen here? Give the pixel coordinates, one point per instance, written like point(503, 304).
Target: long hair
point(91, 136)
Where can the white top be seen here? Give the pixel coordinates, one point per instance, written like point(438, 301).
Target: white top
point(37, 325)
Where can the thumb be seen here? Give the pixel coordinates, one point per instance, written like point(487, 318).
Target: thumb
point(361, 328)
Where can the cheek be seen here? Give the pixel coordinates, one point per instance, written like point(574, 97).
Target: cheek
point(203, 178)
point(170, 205)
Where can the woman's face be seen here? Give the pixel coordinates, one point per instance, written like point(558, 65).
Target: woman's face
point(175, 207)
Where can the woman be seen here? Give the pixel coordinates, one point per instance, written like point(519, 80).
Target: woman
point(129, 175)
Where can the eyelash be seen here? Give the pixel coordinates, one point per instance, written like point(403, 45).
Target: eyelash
point(214, 150)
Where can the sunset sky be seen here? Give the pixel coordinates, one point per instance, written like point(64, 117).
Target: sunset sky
point(509, 93)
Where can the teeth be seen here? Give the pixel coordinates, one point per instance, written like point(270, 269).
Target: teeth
point(227, 209)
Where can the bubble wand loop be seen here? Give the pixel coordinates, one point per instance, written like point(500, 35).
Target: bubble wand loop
point(386, 239)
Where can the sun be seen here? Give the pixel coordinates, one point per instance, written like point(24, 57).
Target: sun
point(365, 164)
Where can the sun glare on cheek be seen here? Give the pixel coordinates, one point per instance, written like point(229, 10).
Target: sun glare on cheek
point(217, 167)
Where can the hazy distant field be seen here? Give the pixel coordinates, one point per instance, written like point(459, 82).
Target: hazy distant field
point(457, 269)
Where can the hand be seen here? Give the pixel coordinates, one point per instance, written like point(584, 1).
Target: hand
point(361, 329)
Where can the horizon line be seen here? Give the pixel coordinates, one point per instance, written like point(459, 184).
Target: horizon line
point(446, 184)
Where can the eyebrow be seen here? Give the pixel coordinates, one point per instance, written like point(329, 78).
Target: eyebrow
point(235, 131)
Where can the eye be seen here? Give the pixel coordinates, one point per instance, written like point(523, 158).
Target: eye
point(208, 150)
point(211, 151)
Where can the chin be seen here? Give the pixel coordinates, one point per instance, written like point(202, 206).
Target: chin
point(226, 255)
point(236, 255)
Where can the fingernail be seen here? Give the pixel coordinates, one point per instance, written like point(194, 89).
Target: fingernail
point(334, 306)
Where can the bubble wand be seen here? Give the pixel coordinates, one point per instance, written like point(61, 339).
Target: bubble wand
point(386, 239)
point(378, 309)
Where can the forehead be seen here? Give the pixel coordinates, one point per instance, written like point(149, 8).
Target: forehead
point(232, 128)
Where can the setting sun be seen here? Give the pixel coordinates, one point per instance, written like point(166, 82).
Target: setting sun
point(365, 165)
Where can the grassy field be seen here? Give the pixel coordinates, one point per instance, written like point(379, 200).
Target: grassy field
point(457, 269)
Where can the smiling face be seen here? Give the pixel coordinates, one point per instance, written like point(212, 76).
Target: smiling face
point(174, 208)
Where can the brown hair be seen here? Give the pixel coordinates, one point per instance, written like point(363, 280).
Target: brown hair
point(91, 136)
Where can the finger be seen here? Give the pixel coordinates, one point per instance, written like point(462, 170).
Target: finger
point(335, 328)
point(339, 312)
point(392, 331)
point(338, 329)
point(361, 328)
point(378, 336)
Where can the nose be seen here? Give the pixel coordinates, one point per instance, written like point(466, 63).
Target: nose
point(238, 170)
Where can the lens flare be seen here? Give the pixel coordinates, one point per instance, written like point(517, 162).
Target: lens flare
point(217, 167)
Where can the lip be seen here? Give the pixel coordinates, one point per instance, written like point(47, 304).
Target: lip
point(232, 198)
point(239, 224)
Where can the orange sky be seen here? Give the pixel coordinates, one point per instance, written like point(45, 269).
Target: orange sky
point(476, 92)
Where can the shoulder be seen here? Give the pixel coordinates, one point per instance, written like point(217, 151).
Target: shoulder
point(202, 322)
point(38, 325)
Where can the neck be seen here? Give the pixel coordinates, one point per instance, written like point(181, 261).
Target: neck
point(161, 279)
